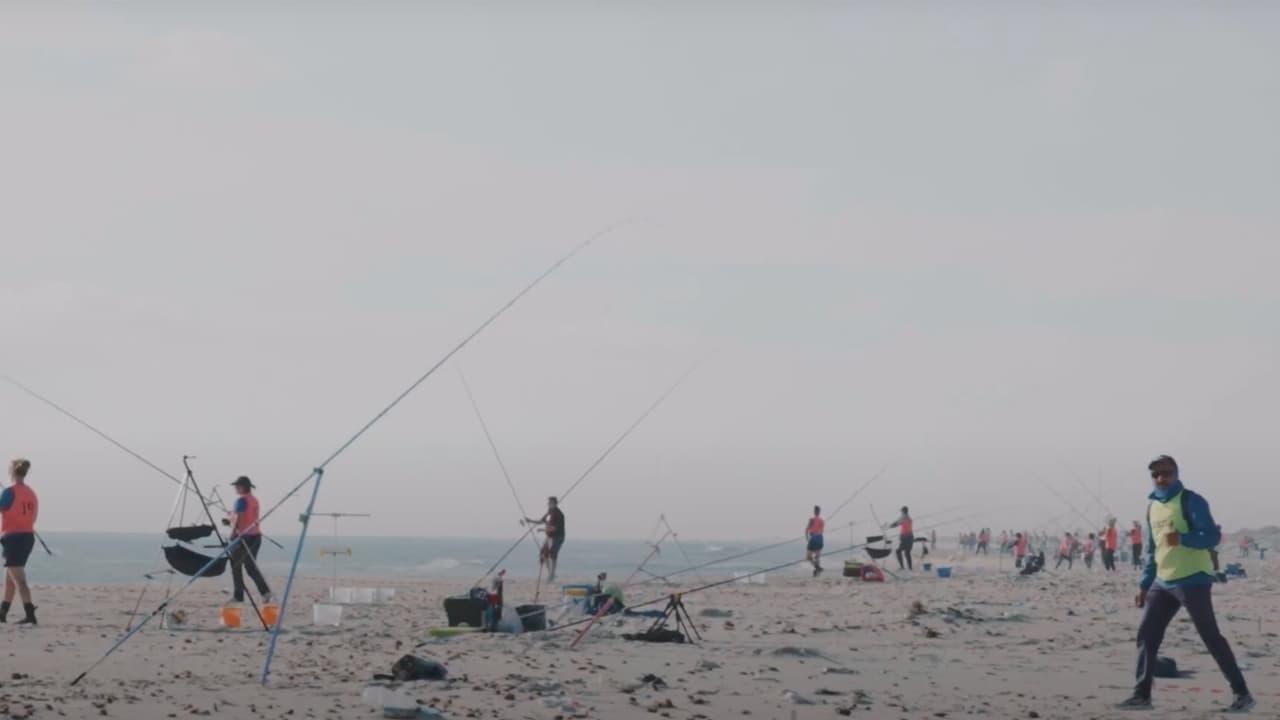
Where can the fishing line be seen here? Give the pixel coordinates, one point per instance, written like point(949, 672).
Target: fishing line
point(496, 455)
point(318, 472)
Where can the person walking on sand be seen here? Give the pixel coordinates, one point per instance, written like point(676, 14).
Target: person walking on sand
point(18, 510)
point(1087, 551)
point(813, 538)
point(1110, 544)
point(1178, 573)
point(905, 539)
point(1135, 543)
point(553, 523)
point(243, 519)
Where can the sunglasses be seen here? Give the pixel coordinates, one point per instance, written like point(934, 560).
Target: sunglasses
point(1161, 473)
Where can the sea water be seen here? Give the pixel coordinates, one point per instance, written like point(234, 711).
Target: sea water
point(120, 558)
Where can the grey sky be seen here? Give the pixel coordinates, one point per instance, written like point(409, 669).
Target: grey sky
point(972, 244)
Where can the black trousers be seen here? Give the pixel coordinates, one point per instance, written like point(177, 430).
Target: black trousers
point(1108, 559)
point(243, 557)
point(1162, 605)
point(905, 542)
point(1137, 556)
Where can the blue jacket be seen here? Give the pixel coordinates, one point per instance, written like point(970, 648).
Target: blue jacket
point(1202, 534)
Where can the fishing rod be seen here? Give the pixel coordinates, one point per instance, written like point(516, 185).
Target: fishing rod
point(496, 456)
point(857, 492)
point(598, 461)
point(679, 545)
point(1085, 486)
point(132, 453)
point(1088, 520)
point(317, 475)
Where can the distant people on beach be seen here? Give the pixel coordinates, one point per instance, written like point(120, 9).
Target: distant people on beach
point(1110, 543)
point(1135, 543)
point(1019, 549)
point(19, 508)
point(813, 538)
point(1086, 551)
point(1066, 547)
point(906, 539)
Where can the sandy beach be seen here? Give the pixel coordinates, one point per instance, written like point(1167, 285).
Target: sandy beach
point(981, 644)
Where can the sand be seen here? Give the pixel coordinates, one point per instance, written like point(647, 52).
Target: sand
point(982, 644)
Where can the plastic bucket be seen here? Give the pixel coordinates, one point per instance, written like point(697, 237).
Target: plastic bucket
point(342, 594)
point(326, 614)
point(231, 617)
point(271, 614)
point(944, 572)
point(363, 596)
point(928, 567)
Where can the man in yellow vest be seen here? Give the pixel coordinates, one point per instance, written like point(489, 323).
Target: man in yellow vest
point(1179, 573)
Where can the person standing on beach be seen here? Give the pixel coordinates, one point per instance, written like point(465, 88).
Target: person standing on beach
point(1087, 551)
point(1135, 543)
point(1065, 549)
point(1110, 544)
point(813, 536)
point(18, 510)
point(905, 539)
point(243, 519)
point(1179, 573)
point(1019, 549)
point(553, 523)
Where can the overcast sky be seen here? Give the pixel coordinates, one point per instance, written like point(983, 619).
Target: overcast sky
point(989, 246)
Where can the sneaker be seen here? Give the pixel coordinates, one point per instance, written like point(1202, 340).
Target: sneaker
point(1136, 702)
point(266, 598)
point(1242, 703)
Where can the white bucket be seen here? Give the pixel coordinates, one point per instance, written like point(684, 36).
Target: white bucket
point(743, 578)
point(363, 596)
point(342, 594)
point(326, 614)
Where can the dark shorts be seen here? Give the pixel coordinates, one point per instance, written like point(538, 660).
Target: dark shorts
point(815, 543)
point(17, 548)
point(554, 549)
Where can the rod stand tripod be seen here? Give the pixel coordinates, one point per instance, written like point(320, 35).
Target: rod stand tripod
point(676, 609)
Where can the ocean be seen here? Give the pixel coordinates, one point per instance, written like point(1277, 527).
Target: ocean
point(119, 558)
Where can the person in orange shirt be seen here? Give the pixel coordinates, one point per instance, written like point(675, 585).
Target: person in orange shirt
point(244, 519)
point(906, 539)
point(1135, 540)
point(18, 510)
point(813, 535)
point(1110, 543)
point(1019, 549)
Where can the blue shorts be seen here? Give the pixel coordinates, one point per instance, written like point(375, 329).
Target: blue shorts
point(815, 543)
point(17, 548)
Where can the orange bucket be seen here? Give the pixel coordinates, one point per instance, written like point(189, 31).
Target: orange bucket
point(270, 614)
point(231, 617)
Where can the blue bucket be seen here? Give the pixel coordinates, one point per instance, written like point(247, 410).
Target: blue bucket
point(944, 572)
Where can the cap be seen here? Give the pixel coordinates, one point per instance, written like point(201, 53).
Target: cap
point(244, 481)
point(1161, 460)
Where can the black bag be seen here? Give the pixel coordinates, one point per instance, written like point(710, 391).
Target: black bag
point(412, 667)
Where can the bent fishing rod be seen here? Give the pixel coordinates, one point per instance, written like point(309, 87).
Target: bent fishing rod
point(598, 462)
point(317, 474)
point(1080, 481)
point(132, 453)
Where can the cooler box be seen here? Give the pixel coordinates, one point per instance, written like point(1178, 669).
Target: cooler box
point(852, 569)
point(578, 595)
point(464, 610)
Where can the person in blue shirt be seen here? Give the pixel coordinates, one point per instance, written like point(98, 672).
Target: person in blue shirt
point(1179, 573)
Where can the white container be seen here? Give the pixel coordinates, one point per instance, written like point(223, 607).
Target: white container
point(342, 594)
point(363, 596)
point(384, 595)
point(743, 578)
point(326, 614)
